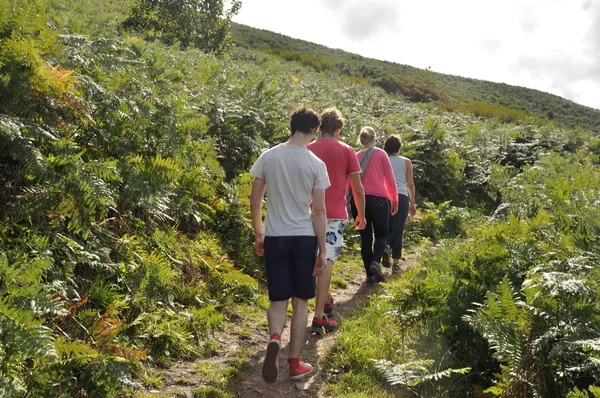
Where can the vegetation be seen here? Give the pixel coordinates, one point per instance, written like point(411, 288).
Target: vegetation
point(199, 23)
point(125, 220)
point(420, 84)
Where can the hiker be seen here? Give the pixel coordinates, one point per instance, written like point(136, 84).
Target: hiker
point(380, 189)
point(403, 172)
point(342, 166)
point(293, 177)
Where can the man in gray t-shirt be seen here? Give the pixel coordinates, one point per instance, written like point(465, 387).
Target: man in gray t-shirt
point(293, 240)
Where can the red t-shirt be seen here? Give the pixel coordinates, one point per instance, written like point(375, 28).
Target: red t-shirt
point(341, 161)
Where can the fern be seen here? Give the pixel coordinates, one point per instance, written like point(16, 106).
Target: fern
point(411, 374)
point(20, 148)
point(11, 386)
point(22, 339)
point(506, 324)
point(165, 334)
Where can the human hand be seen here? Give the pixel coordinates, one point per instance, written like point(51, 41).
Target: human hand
point(259, 245)
point(413, 210)
point(360, 223)
point(320, 263)
point(394, 209)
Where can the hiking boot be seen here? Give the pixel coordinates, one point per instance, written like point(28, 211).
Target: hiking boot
point(396, 269)
point(270, 368)
point(385, 258)
point(299, 369)
point(328, 310)
point(376, 271)
point(370, 280)
point(323, 325)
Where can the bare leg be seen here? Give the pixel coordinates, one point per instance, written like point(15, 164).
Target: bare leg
point(277, 315)
point(323, 284)
point(298, 326)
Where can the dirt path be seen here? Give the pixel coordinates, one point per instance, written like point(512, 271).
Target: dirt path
point(346, 301)
point(183, 378)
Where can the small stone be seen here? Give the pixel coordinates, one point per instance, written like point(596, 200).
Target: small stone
point(301, 385)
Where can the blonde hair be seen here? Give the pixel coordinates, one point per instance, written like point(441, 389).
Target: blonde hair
point(331, 120)
point(367, 135)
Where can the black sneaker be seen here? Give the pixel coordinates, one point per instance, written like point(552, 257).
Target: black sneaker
point(323, 325)
point(385, 258)
point(396, 269)
point(376, 271)
point(328, 311)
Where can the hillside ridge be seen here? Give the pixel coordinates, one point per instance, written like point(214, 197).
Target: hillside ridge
point(420, 85)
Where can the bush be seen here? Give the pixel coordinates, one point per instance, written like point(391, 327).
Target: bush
point(203, 24)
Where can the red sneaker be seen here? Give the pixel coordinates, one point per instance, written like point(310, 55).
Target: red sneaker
point(299, 369)
point(270, 368)
point(323, 325)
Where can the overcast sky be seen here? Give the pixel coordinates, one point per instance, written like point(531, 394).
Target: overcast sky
point(549, 45)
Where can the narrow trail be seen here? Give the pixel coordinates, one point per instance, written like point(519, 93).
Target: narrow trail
point(252, 386)
point(183, 378)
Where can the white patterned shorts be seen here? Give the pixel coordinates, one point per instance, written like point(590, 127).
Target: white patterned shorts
point(334, 238)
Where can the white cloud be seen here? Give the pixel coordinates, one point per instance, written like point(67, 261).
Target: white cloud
point(592, 37)
point(529, 23)
point(362, 19)
point(549, 45)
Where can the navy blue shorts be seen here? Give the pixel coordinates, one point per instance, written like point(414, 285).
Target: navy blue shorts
point(289, 263)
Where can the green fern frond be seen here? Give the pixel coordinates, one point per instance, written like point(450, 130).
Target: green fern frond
point(75, 353)
point(595, 390)
point(12, 385)
point(562, 283)
point(20, 148)
point(22, 337)
point(46, 306)
point(105, 170)
point(505, 324)
point(589, 344)
point(413, 373)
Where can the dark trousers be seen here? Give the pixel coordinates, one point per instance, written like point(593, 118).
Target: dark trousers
point(396, 226)
point(377, 212)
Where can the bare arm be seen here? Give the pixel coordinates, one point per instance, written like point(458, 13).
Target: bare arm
point(259, 186)
point(390, 184)
point(320, 224)
point(410, 184)
point(358, 193)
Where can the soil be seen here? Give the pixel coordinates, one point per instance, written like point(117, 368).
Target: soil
point(181, 379)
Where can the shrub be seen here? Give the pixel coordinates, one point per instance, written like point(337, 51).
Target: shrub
point(200, 23)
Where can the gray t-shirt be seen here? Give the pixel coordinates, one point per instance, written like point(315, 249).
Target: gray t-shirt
point(291, 174)
point(399, 167)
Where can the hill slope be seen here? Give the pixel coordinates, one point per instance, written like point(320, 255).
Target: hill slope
point(419, 84)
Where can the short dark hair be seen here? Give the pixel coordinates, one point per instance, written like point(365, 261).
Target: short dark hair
point(304, 120)
point(393, 144)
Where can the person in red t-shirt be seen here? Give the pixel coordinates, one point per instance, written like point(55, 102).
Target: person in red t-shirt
point(342, 167)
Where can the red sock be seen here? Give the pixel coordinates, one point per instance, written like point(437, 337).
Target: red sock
point(275, 336)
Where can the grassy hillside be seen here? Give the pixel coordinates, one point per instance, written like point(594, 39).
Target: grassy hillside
point(421, 85)
point(125, 233)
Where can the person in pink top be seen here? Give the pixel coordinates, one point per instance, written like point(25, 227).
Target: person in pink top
point(380, 191)
point(342, 167)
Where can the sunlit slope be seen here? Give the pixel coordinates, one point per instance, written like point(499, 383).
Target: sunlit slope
point(420, 85)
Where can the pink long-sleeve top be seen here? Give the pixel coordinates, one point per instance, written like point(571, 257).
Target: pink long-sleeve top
point(379, 179)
